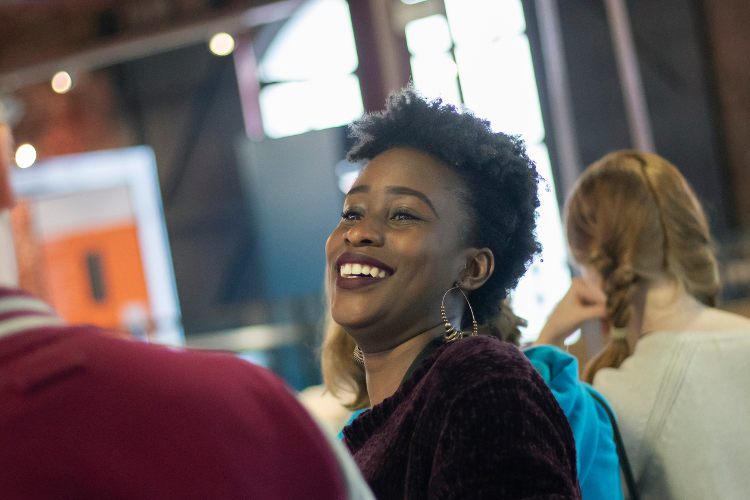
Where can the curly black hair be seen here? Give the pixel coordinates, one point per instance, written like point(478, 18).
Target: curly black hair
point(500, 180)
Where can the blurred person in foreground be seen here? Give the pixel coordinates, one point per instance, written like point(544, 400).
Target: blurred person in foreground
point(85, 415)
point(435, 231)
point(675, 369)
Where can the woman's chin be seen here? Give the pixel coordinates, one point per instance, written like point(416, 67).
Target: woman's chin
point(351, 322)
point(354, 320)
point(353, 310)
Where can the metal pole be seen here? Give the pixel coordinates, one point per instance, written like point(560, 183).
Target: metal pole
point(561, 107)
point(636, 107)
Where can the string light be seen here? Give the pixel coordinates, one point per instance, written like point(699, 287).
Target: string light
point(62, 82)
point(221, 44)
point(25, 156)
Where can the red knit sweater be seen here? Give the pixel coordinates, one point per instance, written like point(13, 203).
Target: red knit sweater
point(475, 421)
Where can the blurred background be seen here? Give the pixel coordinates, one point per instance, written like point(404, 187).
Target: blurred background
point(181, 162)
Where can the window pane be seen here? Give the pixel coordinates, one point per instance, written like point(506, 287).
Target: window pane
point(429, 35)
point(435, 76)
point(544, 283)
point(498, 84)
point(297, 107)
point(482, 21)
point(316, 42)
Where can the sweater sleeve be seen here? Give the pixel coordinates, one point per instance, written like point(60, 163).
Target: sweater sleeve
point(505, 438)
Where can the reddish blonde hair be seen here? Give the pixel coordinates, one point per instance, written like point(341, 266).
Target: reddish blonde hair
point(632, 216)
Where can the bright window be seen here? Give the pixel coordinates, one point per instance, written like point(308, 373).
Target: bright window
point(308, 72)
point(498, 83)
point(292, 108)
point(433, 67)
point(484, 21)
point(428, 35)
point(435, 76)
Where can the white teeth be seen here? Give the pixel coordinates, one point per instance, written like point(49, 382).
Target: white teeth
point(359, 270)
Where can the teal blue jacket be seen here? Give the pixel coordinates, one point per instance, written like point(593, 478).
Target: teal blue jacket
point(598, 465)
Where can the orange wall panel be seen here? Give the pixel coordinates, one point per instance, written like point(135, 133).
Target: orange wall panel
point(112, 254)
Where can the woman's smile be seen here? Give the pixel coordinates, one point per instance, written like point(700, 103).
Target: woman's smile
point(357, 271)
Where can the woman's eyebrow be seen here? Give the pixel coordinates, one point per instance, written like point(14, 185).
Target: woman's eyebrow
point(412, 192)
point(359, 189)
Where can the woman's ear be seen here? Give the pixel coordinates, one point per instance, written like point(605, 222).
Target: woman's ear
point(480, 264)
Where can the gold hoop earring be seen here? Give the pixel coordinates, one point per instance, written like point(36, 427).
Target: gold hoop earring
point(359, 355)
point(451, 332)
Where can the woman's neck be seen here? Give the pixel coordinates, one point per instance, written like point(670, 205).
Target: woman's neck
point(386, 369)
point(664, 305)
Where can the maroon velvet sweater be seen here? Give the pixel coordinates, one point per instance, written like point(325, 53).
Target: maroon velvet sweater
point(475, 421)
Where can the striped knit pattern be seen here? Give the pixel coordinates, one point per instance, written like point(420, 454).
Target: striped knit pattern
point(21, 312)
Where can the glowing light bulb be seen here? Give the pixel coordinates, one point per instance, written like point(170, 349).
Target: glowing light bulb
point(62, 82)
point(25, 156)
point(221, 44)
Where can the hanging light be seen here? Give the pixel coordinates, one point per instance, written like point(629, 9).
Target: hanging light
point(62, 82)
point(25, 156)
point(221, 44)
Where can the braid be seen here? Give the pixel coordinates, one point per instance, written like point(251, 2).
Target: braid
point(619, 285)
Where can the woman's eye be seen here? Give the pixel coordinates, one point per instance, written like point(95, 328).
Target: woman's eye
point(404, 216)
point(350, 215)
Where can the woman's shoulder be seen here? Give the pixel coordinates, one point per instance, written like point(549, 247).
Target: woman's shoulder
point(479, 358)
point(717, 320)
point(481, 347)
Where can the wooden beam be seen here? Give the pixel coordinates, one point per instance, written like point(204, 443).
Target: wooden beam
point(131, 48)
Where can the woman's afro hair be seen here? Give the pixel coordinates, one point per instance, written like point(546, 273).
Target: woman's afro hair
point(500, 191)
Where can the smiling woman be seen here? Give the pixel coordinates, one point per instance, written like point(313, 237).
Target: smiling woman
point(435, 232)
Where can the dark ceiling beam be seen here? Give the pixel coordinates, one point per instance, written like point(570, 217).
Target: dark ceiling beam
point(132, 48)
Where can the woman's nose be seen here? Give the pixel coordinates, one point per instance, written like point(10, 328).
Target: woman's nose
point(365, 233)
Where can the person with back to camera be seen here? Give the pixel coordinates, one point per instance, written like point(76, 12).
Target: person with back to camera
point(442, 219)
point(682, 398)
point(87, 416)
